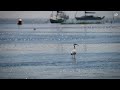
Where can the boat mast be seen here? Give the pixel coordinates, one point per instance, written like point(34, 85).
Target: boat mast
point(57, 13)
point(85, 13)
point(89, 12)
point(52, 14)
point(75, 13)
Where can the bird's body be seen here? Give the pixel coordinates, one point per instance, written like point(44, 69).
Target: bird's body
point(73, 52)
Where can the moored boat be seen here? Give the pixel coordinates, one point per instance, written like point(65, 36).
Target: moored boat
point(59, 17)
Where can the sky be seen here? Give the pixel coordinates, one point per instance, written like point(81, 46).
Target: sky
point(46, 14)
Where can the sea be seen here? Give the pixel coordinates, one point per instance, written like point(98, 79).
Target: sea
point(42, 51)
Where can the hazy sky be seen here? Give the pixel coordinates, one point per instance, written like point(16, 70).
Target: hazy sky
point(46, 14)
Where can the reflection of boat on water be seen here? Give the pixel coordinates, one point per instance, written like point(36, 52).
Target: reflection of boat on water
point(59, 17)
point(89, 17)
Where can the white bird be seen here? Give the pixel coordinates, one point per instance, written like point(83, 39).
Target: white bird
point(73, 52)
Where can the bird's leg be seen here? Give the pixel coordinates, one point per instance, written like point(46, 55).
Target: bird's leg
point(74, 59)
point(74, 56)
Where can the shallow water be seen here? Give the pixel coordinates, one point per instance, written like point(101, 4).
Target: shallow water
point(44, 53)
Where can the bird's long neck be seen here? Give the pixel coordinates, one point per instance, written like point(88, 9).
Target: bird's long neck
point(74, 46)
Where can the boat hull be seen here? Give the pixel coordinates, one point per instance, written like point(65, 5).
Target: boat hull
point(56, 21)
point(89, 18)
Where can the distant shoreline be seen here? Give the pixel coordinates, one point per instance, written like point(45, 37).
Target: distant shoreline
point(46, 20)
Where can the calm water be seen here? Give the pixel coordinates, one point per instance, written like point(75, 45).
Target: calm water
point(44, 53)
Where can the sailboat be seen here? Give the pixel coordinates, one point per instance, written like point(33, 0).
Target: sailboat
point(59, 17)
point(89, 17)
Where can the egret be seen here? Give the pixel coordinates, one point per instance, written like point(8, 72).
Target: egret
point(73, 52)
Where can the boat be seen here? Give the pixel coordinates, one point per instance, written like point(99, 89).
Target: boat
point(59, 17)
point(19, 22)
point(89, 17)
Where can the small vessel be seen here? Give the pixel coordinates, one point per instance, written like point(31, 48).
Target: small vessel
point(89, 17)
point(19, 22)
point(59, 17)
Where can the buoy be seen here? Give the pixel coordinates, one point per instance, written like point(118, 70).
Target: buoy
point(34, 28)
point(20, 21)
